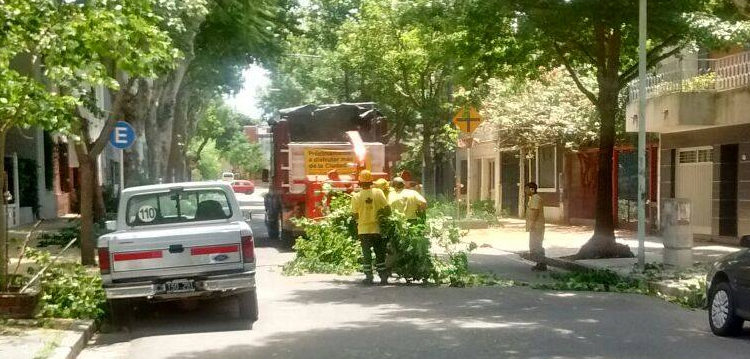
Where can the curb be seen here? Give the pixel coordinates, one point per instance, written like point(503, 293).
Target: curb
point(74, 342)
point(577, 267)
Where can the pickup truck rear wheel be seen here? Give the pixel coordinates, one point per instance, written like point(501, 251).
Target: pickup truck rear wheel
point(120, 313)
point(248, 302)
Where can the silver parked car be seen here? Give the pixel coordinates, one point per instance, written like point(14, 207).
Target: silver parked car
point(177, 241)
point(729, 291)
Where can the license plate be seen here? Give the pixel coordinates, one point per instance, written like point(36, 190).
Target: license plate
point(180, 286)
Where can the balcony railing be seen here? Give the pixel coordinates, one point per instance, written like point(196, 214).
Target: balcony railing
point(692, 74)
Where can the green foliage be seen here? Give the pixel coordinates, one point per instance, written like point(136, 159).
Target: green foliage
point(691, 296)
point(208, 166)
point(68, 290)
point(447, 206)
point(409, 248)
point(244, 156)
point(551, 109)
point(594, 280)
point(61, 237)
point(329, 245)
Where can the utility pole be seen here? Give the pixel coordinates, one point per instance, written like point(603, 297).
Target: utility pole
point(642, 37)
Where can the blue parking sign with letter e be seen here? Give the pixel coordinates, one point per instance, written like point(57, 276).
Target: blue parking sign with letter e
point(122, 136)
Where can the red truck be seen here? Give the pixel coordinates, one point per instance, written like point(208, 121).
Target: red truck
point(310, 148)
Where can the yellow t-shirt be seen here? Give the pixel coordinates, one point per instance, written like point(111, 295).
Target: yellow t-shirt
point(406, 201)
point(535, 203)
point(366, 204)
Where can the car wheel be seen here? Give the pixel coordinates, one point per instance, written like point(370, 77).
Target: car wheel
point(120, 313)
point(721, 316)
point(248, 302)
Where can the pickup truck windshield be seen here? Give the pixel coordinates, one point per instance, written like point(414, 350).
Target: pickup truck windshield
point(178, 206)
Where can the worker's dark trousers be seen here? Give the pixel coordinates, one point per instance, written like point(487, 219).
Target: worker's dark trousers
point(373, 242)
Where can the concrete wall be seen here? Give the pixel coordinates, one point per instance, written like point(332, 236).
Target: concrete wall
point(668, 112)
point(692, 110)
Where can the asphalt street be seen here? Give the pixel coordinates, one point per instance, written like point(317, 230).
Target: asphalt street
point(325, 316)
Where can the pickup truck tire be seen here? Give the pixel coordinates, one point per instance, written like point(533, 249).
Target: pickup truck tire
point(248, 302)
point(120, 313)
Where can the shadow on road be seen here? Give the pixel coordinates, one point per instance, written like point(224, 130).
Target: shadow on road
point(483, 323)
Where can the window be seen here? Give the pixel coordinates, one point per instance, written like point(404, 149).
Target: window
point(178, 206)
point(702, 155)
point(705, 155)
point(546, 167)
point(688, 156)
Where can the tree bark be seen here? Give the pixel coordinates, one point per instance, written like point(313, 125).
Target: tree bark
point(86, 174)
point(178, 145)
point(428, 163)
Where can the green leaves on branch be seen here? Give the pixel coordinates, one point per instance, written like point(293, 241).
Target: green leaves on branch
point(549, 109)
point(330, 245)
point(68, 290)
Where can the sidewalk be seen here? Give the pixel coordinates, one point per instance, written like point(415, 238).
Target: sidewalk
point(564, 241)
point(56, 339)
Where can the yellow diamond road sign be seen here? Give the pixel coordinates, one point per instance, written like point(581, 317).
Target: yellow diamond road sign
point(467, 120)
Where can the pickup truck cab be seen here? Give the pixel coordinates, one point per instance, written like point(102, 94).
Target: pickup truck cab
point(178, 241)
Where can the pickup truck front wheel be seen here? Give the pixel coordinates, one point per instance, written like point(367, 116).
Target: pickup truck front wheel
point(248, 302)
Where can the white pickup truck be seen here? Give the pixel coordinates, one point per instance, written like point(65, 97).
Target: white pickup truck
point(178, 241)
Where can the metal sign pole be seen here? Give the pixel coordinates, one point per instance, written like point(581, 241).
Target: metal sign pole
point(468, 177)
point(642, 134)
point(122, 170)
point(458, 184)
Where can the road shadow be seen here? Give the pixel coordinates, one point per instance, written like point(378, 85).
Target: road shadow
point(262, 240)
point(173, 318)
point(482, 323)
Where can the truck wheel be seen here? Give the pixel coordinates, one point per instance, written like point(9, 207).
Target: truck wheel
point(120, 313)
point(248, 302)
point(272, 225)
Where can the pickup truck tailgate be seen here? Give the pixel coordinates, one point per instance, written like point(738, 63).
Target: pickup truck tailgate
point(176, 251)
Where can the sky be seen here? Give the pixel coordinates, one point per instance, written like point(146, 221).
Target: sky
point(247, 101)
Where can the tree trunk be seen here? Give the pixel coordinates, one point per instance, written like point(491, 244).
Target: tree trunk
point(602, 244)
point(175, 168)
point(138, 109)
point(428, 164)
point(3, 218)
point(86, 177)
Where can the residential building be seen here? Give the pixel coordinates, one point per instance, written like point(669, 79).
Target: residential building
point(698, 104)
point(42, 167)
point(567, 178)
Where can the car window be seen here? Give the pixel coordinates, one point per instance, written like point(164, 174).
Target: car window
point(178, 206)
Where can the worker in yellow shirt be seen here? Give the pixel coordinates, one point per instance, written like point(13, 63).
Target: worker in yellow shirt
point(365, 205)
point(407, 201)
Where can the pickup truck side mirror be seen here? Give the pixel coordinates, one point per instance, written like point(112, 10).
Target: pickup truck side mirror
point(265, 174)
point(111, 225)
point(745, 241)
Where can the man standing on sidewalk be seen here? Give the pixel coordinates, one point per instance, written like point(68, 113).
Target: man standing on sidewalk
point(365, 205)
point(535, 225)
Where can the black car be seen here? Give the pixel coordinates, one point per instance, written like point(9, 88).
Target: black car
point(729, 291)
